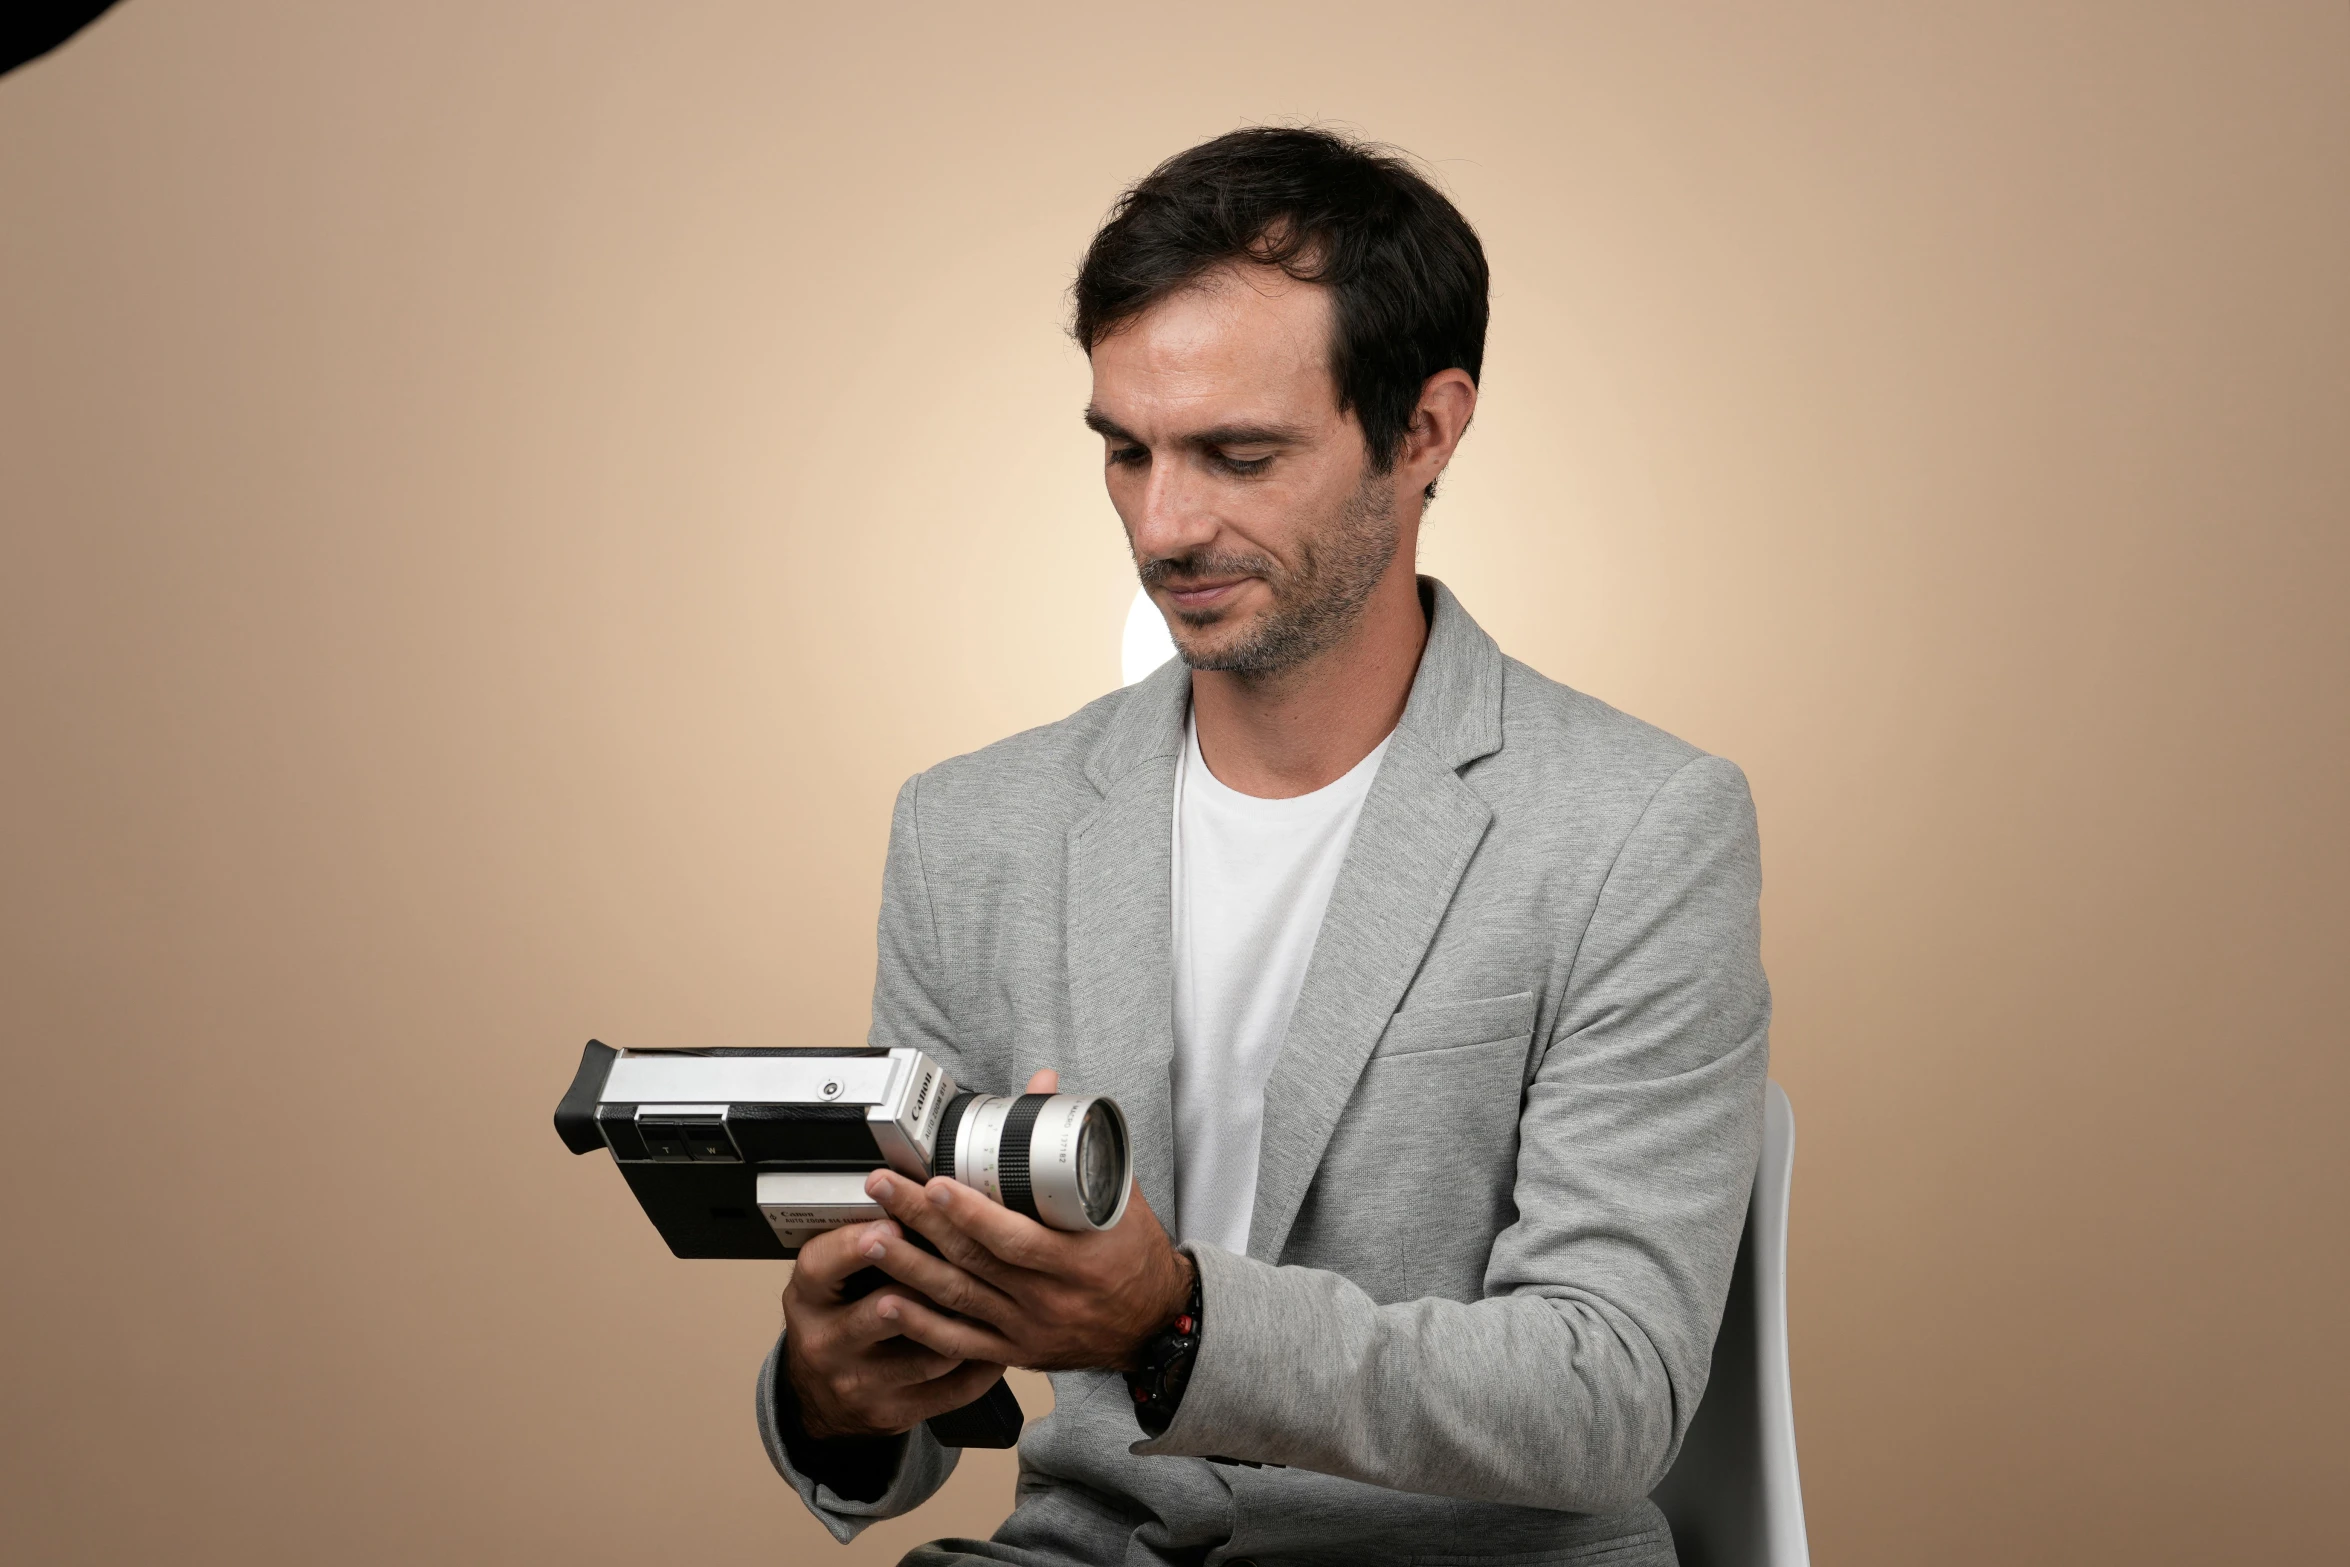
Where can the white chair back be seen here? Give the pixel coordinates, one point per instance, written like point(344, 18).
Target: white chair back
point(1733, 1496)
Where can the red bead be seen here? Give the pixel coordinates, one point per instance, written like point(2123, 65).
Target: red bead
point(1183, 1324)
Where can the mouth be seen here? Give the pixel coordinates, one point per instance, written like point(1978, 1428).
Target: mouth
point(1204, 594)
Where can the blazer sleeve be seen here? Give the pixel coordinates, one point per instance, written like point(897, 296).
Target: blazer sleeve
point(1571, 1383)
point(908, 1010)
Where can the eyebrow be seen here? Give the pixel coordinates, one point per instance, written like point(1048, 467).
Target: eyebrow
point(1222, 435)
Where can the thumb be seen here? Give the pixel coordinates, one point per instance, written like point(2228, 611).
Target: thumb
point(1047, 1081)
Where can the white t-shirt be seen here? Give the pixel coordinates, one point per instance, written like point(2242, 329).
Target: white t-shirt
point(1251, 880)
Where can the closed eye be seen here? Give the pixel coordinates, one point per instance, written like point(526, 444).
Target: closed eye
point(1240, 465)
point(1129, 456)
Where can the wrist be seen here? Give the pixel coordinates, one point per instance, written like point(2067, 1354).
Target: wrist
point(1163, 1364)
point(1181, 1295)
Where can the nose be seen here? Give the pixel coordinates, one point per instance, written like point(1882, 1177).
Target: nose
point(1170, 513)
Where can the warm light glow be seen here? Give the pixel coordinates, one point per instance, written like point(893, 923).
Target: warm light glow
point(1146, 645)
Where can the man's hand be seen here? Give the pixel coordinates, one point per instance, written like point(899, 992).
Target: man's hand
point(1013, 1291)
point(852, 1373)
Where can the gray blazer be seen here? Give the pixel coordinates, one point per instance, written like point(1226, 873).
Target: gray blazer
point(1507, 1144)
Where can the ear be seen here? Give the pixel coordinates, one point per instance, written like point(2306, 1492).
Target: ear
point(1448, 400)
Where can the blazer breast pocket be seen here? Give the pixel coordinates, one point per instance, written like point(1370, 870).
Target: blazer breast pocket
point(1447, 1025)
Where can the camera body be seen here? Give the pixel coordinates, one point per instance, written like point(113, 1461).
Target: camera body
point(754, 1153)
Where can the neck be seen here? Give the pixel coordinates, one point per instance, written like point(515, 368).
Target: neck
point(1292, 732)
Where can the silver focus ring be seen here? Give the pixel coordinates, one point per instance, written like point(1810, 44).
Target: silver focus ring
point(979, 1146)
point(1070, 1164)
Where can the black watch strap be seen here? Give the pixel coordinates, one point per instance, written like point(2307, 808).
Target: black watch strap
point(1163, 1368)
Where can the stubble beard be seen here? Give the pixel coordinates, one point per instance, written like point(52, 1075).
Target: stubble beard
point(1315, 604)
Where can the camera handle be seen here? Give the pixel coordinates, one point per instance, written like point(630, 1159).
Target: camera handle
point(992, 1419)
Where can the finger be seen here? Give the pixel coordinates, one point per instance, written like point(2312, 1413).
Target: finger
point(1010, 1239)
point(955, 1337)
point(940, 1281)
point(914, 1210)
point(900, 1362)
point(953, 1390)
point(1137, 1203)
point(900, 1198)
point(897, 1388)
point(867, 1323)
point(831, 1257)
point(1047, 1081)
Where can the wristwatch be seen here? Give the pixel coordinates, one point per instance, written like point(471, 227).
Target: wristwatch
point(1163, 1367)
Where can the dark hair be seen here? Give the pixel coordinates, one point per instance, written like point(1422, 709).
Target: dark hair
point(1406, 270)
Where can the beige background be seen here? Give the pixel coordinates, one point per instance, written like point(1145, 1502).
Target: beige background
point(496, 497)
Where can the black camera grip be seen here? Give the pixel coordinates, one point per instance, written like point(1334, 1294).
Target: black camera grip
point(993, 1419)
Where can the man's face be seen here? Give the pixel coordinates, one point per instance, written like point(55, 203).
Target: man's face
point(1255, 521)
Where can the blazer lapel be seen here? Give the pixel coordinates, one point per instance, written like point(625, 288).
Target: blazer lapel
point(1419, 827)
point(1120, 926)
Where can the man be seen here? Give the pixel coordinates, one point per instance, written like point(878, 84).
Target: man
point(1430, 988)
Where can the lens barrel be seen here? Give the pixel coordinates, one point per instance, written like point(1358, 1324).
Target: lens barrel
point(1061, 1159)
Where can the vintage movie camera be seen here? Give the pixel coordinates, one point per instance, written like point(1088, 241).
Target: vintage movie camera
point(754, 1153)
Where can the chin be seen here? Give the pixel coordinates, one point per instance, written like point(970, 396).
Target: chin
point(1207, 637)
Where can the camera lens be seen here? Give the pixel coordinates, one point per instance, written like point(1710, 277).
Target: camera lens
point(1101, 1163)
point(1062, 1159)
